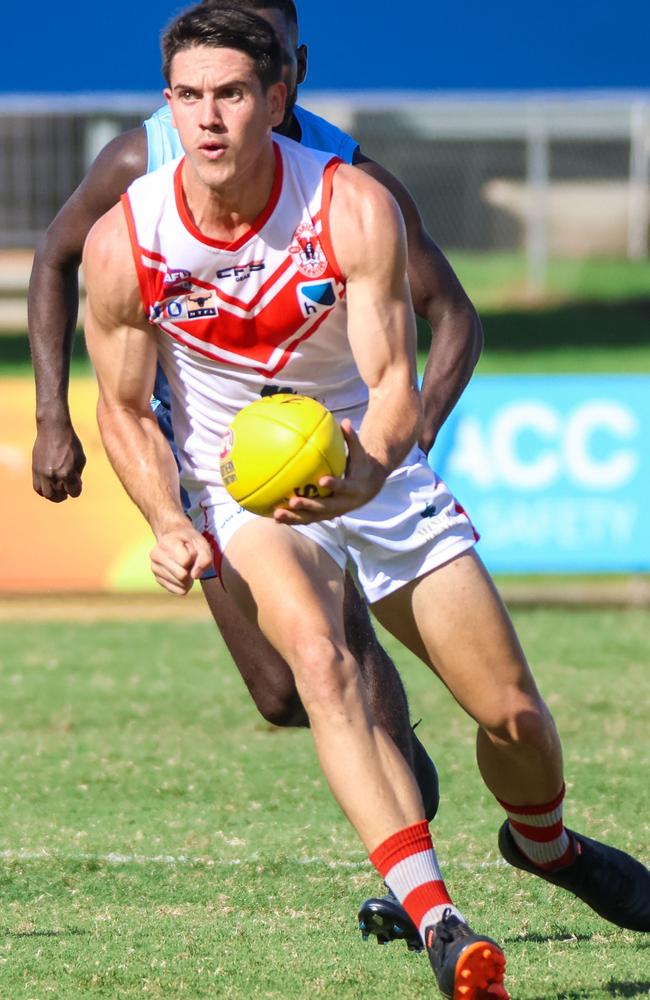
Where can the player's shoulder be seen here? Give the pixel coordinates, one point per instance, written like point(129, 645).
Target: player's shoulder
point(302, 154)
point(113, 292)
point(163, 142)
point(162, 114)
point(361, 193)
point(319, 133)
point(365, 222)
point(159, 179)
point(105, 240)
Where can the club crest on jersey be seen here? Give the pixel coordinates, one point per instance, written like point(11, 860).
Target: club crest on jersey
point(307, 252)
point(316, 297)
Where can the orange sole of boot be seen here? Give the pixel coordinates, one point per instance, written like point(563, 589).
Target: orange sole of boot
point(479, 973)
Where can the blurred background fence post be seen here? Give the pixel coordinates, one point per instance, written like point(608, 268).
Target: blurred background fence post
point(639, 202)
point(538, 178)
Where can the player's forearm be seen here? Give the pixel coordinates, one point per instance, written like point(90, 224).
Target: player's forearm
point(455, 349)
point(53, 304)
point(391, 424)
point(145, 465)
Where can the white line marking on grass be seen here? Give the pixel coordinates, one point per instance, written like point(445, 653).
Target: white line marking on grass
point(115, 858)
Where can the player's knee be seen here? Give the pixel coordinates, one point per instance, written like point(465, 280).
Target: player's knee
point(282, 709)
point(525, 723)
point(325, 673)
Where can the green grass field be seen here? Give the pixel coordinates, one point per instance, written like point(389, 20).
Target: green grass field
point(160, 840)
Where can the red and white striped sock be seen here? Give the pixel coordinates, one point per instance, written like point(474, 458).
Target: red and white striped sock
point(408, 865)
point(538, 831)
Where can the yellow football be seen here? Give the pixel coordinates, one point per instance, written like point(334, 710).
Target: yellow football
point(279, 447)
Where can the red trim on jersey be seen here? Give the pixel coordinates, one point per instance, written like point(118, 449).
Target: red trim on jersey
point(261, 292)
point(154, 256)
point(217, 554)
point(228, 299)
point(325, 235)
point(294, 343)
point(143, 272)
point(461, 510)
point(216, 354)
point(255, 227)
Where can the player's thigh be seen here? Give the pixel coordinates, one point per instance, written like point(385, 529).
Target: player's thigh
point(454, 619)
point(286, 582)
point(359, 630)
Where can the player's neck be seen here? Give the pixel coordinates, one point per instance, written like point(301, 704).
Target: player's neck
point(290, 128)
point(226, 211)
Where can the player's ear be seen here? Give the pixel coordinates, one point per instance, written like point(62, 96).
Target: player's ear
point(301, 58)
point(167, 94)
point(277, 98)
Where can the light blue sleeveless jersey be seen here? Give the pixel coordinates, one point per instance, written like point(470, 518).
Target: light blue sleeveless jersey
point(164, 145)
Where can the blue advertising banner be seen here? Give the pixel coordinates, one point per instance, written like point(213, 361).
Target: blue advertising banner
point(366, 45)
point(554, 471)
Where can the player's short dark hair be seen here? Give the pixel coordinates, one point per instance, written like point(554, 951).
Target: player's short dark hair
point(225, 26)
point(287, 7)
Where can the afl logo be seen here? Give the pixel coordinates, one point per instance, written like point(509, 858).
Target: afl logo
point(307, 252)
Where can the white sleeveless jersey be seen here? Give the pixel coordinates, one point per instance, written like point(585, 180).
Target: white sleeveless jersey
point(235, 319)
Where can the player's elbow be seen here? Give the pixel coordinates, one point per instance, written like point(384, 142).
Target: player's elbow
point(410, 411)
point(53, 251)
point(455, 317)
point(466, 321)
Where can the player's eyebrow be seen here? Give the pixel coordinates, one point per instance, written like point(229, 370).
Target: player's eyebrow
point(226, 85)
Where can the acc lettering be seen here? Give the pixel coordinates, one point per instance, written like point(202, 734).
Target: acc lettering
point(530, 445)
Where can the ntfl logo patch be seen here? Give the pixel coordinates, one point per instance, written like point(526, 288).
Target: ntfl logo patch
point(316, 297)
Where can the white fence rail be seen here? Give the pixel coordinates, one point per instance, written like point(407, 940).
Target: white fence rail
point(565, 175)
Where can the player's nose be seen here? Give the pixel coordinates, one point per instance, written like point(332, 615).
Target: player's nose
point(210, 116)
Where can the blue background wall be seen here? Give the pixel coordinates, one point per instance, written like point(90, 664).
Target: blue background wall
point(356, 44)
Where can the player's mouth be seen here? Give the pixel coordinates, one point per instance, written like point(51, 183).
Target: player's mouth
point(212, 150)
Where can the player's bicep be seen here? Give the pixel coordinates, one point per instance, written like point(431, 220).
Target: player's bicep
point(120, 342)
point(381, 323)
point(124, 359)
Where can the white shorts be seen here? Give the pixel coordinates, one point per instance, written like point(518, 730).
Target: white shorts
point(412, 526)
